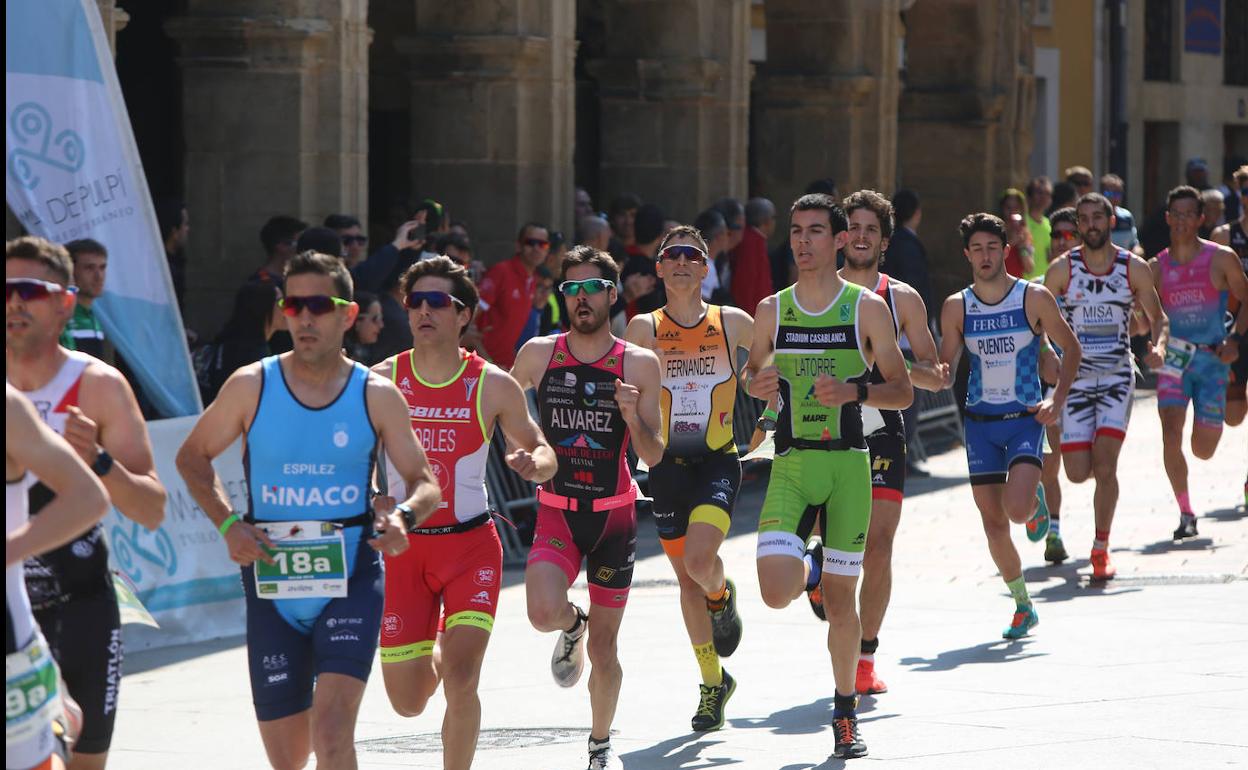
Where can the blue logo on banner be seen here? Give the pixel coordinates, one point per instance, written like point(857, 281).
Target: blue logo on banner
point(32, 125)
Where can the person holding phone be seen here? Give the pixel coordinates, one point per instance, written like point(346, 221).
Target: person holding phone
point(507, 295)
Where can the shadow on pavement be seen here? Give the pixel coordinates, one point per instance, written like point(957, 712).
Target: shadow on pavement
point(687, 749)
point(806, 719)
point(989, 652)
point(1227, 514)
point(1169, 546)
point(145, 660)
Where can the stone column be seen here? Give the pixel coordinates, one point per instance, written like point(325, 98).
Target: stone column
point(674, 92)
point(826, 98)
point(493, 114)
point(275, 105)
point(114, 20)
point(965, 118)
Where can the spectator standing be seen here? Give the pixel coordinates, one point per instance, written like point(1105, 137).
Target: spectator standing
point(622, 216)
point(1039, 196)
point(1230, 188)
point(751, 267)
point(255, 318)
point(363, 334)
point(175, 228)
point(280, 239)
point(906, 258)
point(1123, 235)
point(322, 240)
point(354, 241)
point(642, 289)
point(1063, 195)
point(734, 217)
point(583, 205)
point(507, 295)
point(1214, 207)
point(710, 224)
point(1019, 250)
point(1197, 174)
point(1080, 177)
point(457, 246)
point(83, 331)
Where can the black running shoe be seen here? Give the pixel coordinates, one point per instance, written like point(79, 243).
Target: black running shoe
point(848, 741)
point(710, 715)
point(726, 623)
point(1187, 526)
point(815, 595)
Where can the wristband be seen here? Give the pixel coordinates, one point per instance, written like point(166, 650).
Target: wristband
point(862, 392)
point(229, 522)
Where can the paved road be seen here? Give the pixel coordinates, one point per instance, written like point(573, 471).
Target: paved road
point(1149, 671)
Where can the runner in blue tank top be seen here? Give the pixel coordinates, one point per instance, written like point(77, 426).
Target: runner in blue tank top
point(1001, 321)
point(311, 421)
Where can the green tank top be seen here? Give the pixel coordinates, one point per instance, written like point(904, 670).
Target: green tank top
point(807, 345)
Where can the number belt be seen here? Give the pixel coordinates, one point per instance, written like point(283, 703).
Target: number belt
point(826, 445)
point(995, 417)
point(359, 520)
point(450, 529)
point(598, 504)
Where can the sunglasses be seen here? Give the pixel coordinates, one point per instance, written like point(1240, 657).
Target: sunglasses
point(589, 286)
point(1066, 235)
point(347, 240)
point(537, 243)
point(692, 254)
point(32, 289)
point(437, 300)
point(317, 304)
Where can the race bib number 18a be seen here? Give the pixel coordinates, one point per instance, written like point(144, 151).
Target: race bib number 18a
point(31, 691)
point(309, 561)
point(1179, 354)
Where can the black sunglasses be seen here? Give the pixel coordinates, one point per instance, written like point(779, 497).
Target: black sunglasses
point(316, 304)
point(437, 300)
point(692, 254)
point(347, 240)
point(538, 243)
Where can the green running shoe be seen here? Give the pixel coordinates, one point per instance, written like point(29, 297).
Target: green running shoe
point(726, 624)
point(1054, 551)
point(1025, 619)
point(710, 714)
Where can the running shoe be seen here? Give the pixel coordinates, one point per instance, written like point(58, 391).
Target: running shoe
point(1038, 524)
point(866, 682)
point(1025, 619)
point(1054, 551)
point(1101, 568)
point(1187, 526)
point(711, 702)
point(815, 593)
point(849, 742)
point(726, 624)
point(568, 661)
point(603, 757)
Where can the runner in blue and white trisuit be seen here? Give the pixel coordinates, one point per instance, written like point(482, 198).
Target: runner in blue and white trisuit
point(1001, 321)
point(311, 420)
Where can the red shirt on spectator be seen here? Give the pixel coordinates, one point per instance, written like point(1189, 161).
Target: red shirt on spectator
point(1013, 262)
point(506, 303)
point(751, 270)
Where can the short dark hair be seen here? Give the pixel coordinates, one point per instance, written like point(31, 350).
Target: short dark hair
point(588, 255)
point(1097, 199)
point(823, 202)
point(732, 210)
point(707, 223)
point(169, 212)
point(253, 307)
point(982, 222)
point(341, 222)
point(905, 204)
point(1185, 191)
point(85, 246)
point(524, 228)
point(877, 204)
point(365, 298)
point(758, 211)
point(648, 226)
point(323, 264)
point(51, 255)
point(279, 229)
point(557, 239)
point(1065, 214)
point(1038, 183)
point(1107, 179)
point(684, 231)
point(1079, 175)
point(827, 186)
point(458, 240)
point(624, 202)
point(442, 266)
point(1064, 194)
point(321, 239)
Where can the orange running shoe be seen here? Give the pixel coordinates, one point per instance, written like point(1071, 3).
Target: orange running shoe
point(1101, 568)
point(866, 682)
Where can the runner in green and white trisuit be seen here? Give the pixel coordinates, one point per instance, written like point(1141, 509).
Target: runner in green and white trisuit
point(818, 362)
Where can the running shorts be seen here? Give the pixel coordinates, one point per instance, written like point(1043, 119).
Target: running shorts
point(1098, 405)
point(995, 446)
point(84, 635)
point(1203, 383)
point(605, 540)
point(805, 481)
point(284, 662)
point(888, 465)
point(440, 582)
point(1237, 385)
point(707, 484)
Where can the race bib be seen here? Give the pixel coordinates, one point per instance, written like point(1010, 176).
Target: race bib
point(309, 561)
point(32, 698)
point(1179, 354)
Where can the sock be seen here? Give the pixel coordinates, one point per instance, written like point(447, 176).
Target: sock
point(1055, 525)
point(1018, 590)
point(708, 664)
point(595, 743)
point(1185, 505)
point(843, 705)
point(1101, 541)
point(717, 600)
point(867, 650)
point(815, 573)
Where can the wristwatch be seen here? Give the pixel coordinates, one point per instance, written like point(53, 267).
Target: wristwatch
point(103, 463)
point(862, 392)
point(409, 516)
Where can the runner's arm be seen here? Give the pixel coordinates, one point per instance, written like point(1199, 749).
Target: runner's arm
point(640, 331)
point(132, 484)
point(638, 398)
point(1055, 327)
point(1146, 299)
point(740, 326)
point(1057, 275)
point(1221, 235)
point(926, 371)
point(761, 378)
point(876, 322)
point(530, 361)
point(951, 340)
point(394, 429)
point(80, 499)
point(529, 454)
point(1236, 283)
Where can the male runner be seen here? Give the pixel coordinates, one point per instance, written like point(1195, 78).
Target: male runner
point(455, 563)
point(596, 393)
point(695, 487)
point(870, 226)
point(1194, 278)
point(1235, 235)
point(34, 725)
point(1001, 321)
point(91, 405)
point(311, 420)
point(827, 335)
point(1099, 284)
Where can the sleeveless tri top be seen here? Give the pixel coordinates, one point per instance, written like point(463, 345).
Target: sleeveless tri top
point(583, 424)
point(20, 621)
point(699, 383)
point(449, 423)
point(1098, 308)
point(1004, 353)
point(891, 417)
point(1196, 309)
point(808, 344)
